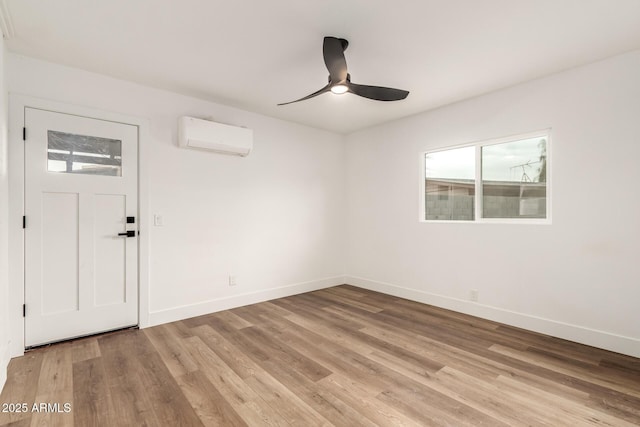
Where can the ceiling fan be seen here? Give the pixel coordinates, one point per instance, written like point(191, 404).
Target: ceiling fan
point(340, 80)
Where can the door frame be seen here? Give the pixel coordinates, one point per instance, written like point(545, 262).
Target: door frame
point(16, 169)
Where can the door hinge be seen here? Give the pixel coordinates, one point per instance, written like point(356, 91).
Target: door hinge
point(24, 310)
point(24, 221)
point(24, 133)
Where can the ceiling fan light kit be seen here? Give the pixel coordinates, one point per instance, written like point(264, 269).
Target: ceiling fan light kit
point(339, 89)
point(340, 80)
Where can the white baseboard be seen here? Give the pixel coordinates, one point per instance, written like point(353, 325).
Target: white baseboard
point(576, 333)
point(226, 303)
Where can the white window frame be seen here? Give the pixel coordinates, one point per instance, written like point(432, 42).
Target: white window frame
point(478, 208)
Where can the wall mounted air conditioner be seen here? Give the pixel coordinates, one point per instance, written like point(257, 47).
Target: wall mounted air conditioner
point(211, 136)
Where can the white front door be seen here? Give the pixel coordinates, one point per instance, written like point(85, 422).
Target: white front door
point(81, 184)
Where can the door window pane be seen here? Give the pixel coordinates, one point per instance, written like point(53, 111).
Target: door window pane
point(450, 184)
point(514, 179)
point(92, 155)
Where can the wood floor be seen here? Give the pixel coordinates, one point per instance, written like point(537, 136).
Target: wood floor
point(341, 356)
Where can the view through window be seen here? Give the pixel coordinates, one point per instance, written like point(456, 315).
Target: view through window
point(83, 154)
point(508, 179)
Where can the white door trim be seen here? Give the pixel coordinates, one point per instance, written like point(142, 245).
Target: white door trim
point(17, 105)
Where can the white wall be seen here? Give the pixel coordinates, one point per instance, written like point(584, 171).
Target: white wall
point(274, 219)
point(577, 278)
point(277, 218)
point(4, 253)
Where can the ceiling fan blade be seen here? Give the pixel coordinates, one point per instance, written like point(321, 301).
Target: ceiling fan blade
point(377, 93)
point(327, 88)
point(333, 51)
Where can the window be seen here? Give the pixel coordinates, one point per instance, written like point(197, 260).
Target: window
point(449, 184)
point(501, 180)
point(69, 153)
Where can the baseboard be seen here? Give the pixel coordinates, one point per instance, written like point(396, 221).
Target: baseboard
point(576, 333)
point(211, 306)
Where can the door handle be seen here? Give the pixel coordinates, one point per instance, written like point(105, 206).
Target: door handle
point(130, 233)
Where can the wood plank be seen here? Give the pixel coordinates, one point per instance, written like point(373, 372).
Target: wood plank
point(20, 423)
point(353, 302)
point(591, 375)
point(494, 400)
point(233, 319)
point(55, 386)
point(182, 330)
point(337, 356)
point(169, 405)
point(565, 408)
point(85, 349)
point(210, 405)
point(237, 339)
point(246, 402)
point(166, 340)
point(430, 409)
point(356, 396)
point(23, 375)
point(323, 350)
point(376, 374)
point(129, 397)
point(288, 404)
point(334, 409)
point(232, 356)
point(292, 358)
point(326, 404)
point(92, 404)
point(349, 291)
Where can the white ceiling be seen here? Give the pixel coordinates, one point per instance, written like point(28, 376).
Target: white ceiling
point(253, 54)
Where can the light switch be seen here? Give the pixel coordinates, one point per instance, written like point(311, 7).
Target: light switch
point(158, 221)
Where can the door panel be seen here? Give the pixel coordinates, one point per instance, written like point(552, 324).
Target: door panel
point(59, 254)
point(110, 280)
point(80, 185)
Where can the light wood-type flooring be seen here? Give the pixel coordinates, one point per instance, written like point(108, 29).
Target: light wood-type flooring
point(341, 356)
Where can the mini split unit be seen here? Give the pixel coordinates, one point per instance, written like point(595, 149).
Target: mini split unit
point(211, 136)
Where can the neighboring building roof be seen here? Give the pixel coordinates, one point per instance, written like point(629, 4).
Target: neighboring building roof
point(497, 188)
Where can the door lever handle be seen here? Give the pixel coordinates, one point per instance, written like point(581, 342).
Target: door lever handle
point(130, 233)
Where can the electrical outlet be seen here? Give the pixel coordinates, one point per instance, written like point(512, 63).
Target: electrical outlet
point(232, 280)
point(473, 295)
